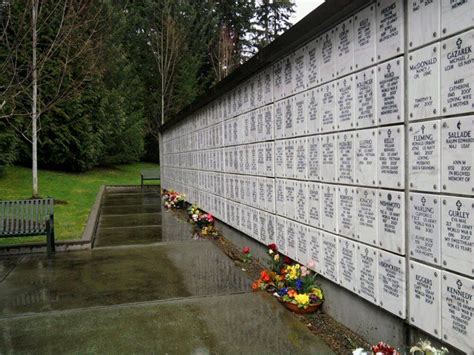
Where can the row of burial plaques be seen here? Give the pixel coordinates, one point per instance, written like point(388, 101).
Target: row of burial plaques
point(255, 159)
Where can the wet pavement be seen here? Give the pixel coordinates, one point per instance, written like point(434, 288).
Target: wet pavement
point(147, 286)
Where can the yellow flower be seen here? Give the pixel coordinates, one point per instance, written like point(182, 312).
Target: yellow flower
point(302, 299)
point(317, 292)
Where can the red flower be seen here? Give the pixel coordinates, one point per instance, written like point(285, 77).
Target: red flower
point(272, 247)
point(288, 260)
point(264, 276)
point(246, 250)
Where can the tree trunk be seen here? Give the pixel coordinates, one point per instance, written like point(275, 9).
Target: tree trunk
point(34, 114)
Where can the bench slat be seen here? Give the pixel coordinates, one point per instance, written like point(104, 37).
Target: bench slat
point(23, 217)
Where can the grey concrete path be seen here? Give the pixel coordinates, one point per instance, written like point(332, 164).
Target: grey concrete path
point(147, 287)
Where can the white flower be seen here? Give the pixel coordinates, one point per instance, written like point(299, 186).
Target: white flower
point(358, 351)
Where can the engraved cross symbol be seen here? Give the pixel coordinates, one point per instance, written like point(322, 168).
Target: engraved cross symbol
point(389, 133)
point(459, 43)
point(423, 129)
point(459, 283)
point(366, 251)
point(365, 193)
point(459, 125)
point(389, 196)
point(345, 137)
point(423, 201)
point(364, 76)
point(389, 66)
point(459, 205)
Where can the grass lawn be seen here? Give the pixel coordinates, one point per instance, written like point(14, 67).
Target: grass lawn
point(77, 190)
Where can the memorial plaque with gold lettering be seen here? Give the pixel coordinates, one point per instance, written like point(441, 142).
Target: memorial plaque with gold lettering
point(366, 215)
point(457, 236)
point(390, 92)
point(391, 285)
point(315, 247)
point(345, 103)
point(391, 221)
point(346, 208)
point(390, 29)
point(457, 74)
point(366, 157)
point(391, 157)
point(329, 256)
point(327, 54)
point(347, 264)
point(328, 157)
point(424, 22)
point(456, 15)
point(312, 63)
point(345, 158)
point(424, 295)
point(364, 37)
point(424, 82)
point(365, 98)
point(366, 280)
point(327, 96)
point(457, 155)
point(313, 153)
point(457, 317)
point(314, 204)
point(328, 208)
point(345, 47)
point(424, 156)
point(313, 111)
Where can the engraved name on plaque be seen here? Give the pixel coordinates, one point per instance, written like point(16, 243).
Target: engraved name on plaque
point(457, 74)
point(424, 156)
point(391, 157)
point(365, 98)
point(329, 256)
point(327, 54)
point(270, 195)
point(366, 215)
point(424, 297)
point(390, 29)
point(346, 207)
point(345, 47)
point(313, 111)
point(328, 157)
point(302, 244)
point(300, 114)
point(301, 158)
point(279, 115)
point(299, 70)
point(457, 155)
point(366, 258)
point(263, 227)
point(364, 38)
point(345, 156)
point(456, 15)
point(281, 234)
point(328, 107)
point(345, 103)
point(391, 221)
point(347, 264)
point(392, 276)
point(280, 198)
point(457, 306)
point(287, 76)
point(423, 21)
point(390, 92)
point(291, 239)
point(315, 246)
point(289, 116)
point(280, 162)
point(328, 208)
point(312, 63)
point(268, 122)
point(314, 204)
point(424, 82)
point(457, 234)
point(301, 202)
point(313, 152)
point(290, 198)
point(366, 157)
point(289, 158)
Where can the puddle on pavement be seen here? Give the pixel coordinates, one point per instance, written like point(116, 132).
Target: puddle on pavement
point(132, 201)
point(124, 210)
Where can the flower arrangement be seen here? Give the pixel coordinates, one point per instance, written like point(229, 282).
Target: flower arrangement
point(424, 347)
point(247, 255)
point(384, 349)
point(200, 218)
point(173, 199)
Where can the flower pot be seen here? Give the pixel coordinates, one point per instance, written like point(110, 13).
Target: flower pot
point(180, 204)
point(295, 309)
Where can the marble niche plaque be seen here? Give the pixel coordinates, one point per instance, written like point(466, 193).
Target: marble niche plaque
point(290, 194)
point(301, 208)
point(328, 208)
point(347, 264)
point(390, 29)
point(302, 244)
point(280, 197)
point(457, 74)
point(263, 237)
point(288, 77)
point(366, 215)
point(390, 92)
point(424, 82)
point(313, 111)
point(391, 221)
point(315, 246)
point(366, 157)
point(345, 47)
point(260, 136)
point(457, 316)
point(269, 159)
point(271, 228)
point(312, 63)
point(260, 159)
point(327, 54)
point(424, 156)
point(366, 279)
point(391, 157)
point(313, 153)
point(329, 256)
point(252, 131)
point(279, 115)
point(346, 208)
point(392, 290)
point(456, 15)
point(314, 204)
point(365, 98)
point(268, 122)
point(281, 234)
point(345, 158)
point(280, 161)
point(289, 158)
point(424, 22)
point(291, 239)
point(300, 114)
point(345, 103)
point(270, 195)
point(457, 234)
point(301, 156)
point(424, 297)
point(327, 95)
point(364, 37)
point(457, 155)
point(299, 71)
point(268, 85)
point(328, 157)
point(289, 115)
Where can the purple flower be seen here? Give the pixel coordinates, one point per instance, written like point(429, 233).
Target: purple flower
point(282, 291)
point(299, 284)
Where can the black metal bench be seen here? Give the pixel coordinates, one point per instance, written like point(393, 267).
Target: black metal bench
point(23, 218)
point(150, 174)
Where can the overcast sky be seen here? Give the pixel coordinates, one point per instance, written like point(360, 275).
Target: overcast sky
point(304, 7)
